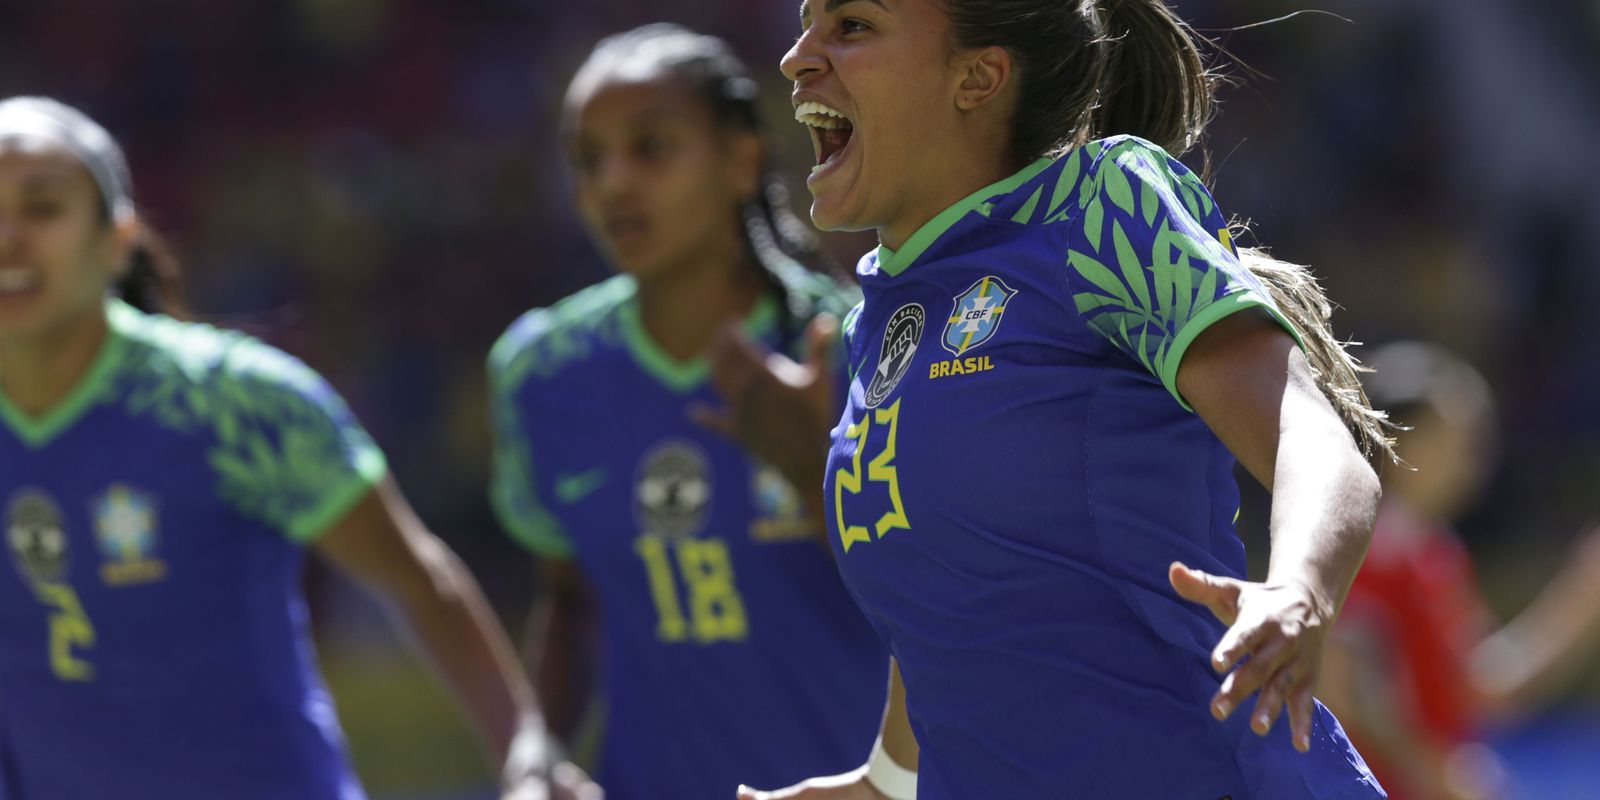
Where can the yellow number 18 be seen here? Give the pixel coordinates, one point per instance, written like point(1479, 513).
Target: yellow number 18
point(716, 613)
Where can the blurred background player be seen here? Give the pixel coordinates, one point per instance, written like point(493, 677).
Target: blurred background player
point(1417, 670)
point(161, 482)
point(687, 587)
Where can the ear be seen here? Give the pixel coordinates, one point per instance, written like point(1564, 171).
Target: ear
point(985, 75)
point(120, 243)
point(745, 162)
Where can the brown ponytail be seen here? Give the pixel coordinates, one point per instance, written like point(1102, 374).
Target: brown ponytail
point(1154, 82)
point(151, 282)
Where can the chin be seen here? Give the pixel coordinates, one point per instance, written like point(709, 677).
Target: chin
point(829, 213)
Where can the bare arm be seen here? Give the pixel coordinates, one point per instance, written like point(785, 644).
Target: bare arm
point(898, 739)
point(899, 743)
point(1520, 666)
point(1246, 378)
point(560, 645)
point(384, 546)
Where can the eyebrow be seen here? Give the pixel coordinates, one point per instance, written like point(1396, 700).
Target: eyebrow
point(46, 182)
point(833, 5)
point(639, 119)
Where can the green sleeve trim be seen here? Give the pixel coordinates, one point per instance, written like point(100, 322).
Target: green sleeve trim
point(895, 262)
point(370, 467)
point(511, 483)
point(542, 535)
point(1223, 306)
point(683, 376)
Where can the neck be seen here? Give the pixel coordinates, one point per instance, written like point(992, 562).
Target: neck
point(683, 309)
point(945, 189)
point(36, 374)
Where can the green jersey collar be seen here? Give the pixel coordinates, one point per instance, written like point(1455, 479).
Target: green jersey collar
point(37, 431)
point(683, 376)
point(895, 262)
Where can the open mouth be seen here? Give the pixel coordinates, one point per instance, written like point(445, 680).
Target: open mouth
point(830, 129)
point(18, 280)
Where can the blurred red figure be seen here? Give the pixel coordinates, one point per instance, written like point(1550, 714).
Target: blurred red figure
point(1417, 667)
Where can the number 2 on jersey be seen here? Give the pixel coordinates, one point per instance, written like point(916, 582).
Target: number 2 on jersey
point(880, 469)
point(715, 611)
point(69, 628)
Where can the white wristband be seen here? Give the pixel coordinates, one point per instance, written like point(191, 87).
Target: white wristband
point(894, 781)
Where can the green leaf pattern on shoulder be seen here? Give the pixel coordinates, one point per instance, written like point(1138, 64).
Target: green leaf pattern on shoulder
point(284, 448)
point(1162, 266)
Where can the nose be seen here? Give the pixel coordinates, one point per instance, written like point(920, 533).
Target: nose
point(10, 236)
point(805, 59)
point(612, 175)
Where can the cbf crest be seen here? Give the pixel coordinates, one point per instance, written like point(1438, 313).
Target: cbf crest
point(977, 314)
point(125, 526)
point(779, 516)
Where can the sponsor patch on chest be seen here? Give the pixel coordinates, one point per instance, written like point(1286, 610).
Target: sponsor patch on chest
point(899, 347)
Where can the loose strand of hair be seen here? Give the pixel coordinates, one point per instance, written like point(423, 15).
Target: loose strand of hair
point(1300, 298)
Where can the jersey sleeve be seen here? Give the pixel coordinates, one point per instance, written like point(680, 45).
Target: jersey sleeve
point(512, 490)
point(1150, 260)
point(289, 452)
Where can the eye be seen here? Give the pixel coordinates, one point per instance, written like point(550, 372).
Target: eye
point(41, 209)
point(853, 25)
point(653, 146)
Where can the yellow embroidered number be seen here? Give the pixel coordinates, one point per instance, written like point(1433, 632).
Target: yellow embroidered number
point(69, 628)
point(716, 613)
point(880, 469)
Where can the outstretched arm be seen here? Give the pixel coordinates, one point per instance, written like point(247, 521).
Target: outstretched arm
point(384, 546)
point(1519, 667)
point(1254, 388)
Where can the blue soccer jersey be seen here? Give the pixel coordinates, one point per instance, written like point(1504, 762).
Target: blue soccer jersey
point(153, 642)
point(1015, 470)
point(732, 652)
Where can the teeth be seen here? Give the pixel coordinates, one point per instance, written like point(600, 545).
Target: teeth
point(818, 115)
point(16, 279)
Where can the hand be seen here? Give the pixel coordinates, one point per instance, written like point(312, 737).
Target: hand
point(1584, 562)
point(851, 785)
point(564, 782)
point(778, 410)
point(1281, 628)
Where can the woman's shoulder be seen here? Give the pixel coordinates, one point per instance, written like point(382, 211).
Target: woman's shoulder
point(196, 370)
point(546, 338)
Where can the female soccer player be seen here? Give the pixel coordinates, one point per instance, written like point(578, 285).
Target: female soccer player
point(1415, 667)
point(717, 603)
point(161, 482)
point(1058, 359)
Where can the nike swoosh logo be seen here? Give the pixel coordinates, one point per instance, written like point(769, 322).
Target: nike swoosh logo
point(572, 488)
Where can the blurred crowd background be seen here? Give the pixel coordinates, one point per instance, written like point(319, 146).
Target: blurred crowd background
point(377, 186)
